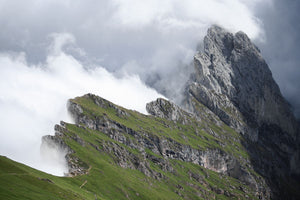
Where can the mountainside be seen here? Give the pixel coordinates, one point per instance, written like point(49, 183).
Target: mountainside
point(236, 138)
point(115, 153)
point(232, 79)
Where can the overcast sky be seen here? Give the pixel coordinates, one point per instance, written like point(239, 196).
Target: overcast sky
point(281, 47)
point(52, 50)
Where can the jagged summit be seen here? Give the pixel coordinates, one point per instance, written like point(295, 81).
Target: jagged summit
point(233, 80)
point(225, 42)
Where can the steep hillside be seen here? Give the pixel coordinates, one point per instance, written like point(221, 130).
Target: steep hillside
point(115, 153)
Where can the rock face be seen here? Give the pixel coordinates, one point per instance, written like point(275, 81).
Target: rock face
point(76, 167)
point(233, 80)
point(168, 110)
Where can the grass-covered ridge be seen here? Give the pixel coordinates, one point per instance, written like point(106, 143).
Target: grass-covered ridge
point(198, 134)
point(106, 179)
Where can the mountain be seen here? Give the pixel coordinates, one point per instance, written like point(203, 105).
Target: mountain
point(232, 80)
point(233, 137)
point(115, 153)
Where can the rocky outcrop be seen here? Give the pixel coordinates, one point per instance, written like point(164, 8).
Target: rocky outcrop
point(168, 110)
point(75, 166)
point(232, 79)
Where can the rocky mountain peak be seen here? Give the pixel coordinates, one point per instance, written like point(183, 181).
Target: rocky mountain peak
point(218, 39)
point(224, 42)
point(232, 78)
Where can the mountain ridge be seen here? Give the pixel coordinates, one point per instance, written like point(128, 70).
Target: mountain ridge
point(209, 155)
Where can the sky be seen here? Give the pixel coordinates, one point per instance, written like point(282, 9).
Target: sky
point(129, 52)
point(33, 99)
point(281, 47)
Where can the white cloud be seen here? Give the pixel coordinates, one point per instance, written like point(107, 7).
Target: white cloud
point(33, 98)
point(232, 14)
point(154, 35)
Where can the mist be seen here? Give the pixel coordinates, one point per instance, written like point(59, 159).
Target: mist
point(33, 99)
point(129, 52)
point(281, 47)
point(153, 39)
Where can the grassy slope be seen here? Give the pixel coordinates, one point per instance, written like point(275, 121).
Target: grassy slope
point(107, 180)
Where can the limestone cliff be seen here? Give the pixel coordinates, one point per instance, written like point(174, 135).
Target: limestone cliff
point(233, 80)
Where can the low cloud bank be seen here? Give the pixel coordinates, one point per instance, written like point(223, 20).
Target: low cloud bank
point(33, 99)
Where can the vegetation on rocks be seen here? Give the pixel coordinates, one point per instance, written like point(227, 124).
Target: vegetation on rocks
point(124, 169)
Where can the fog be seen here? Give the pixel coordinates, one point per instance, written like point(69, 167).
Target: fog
point(129, 52)
point(33, 99)
point(154, 39)
point(281, 47)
